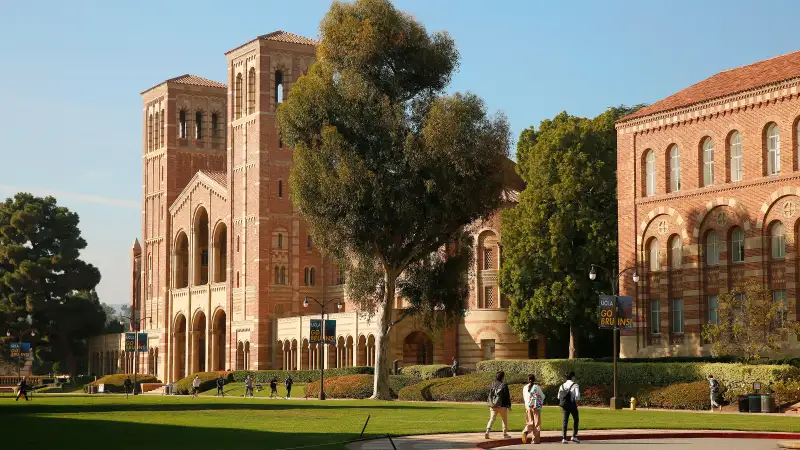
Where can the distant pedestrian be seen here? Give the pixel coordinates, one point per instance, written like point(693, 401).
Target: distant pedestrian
point(454, 366)
point(568, 396)
point(714, 387)
point(273, 387)
point(248, 385)
point(288, 384)
point(220, 385)
point(533, 397)
point(195, 386)
point(22, 389)
point(127, 385)
point(499, 403)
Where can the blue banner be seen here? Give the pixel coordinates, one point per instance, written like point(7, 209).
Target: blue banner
point(315, 335)
point(624, 312)
point(21, 350)
point(130, 342)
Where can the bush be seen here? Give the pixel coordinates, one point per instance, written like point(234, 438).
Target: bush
point(738, 378)
point(680, 396)
point(116, 382)
point(427, 372)
point(302, 376)
point(465, 388)
point(208, 380)
point(357, 386)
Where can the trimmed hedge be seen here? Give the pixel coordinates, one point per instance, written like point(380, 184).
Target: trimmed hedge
point(357, 386)
point(694, 395)
point(465, 388)
point(116, 382)
point(208, 380)
point(738, 378)
point(427, 372)
point(302, 376)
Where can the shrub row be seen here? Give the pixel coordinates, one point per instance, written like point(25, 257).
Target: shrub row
point(358, 386)
point(116, 382)
point(208, 380)
point(301, 376)
point(737, 377)
point(427, 372)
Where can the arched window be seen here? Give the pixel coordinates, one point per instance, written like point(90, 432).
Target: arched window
point(797, 133)
point(277, 274)
point(712, 249)
point(161, 128)
point(675, 169)
point(251, 91)
point(237, 99)
point(237, 244)
point(280, 240)
point(280, 140)
point(312, 276)
point(237, 278)
point(283, 274)
point(182, 124)
point(278, 88)
point(737, 245)
point(654, 255)
point(150, 132)
point(214, 125)
point(305, 276)
point(778, 241)
point(735, 142)
point(310, 242)
point(198, 125)
point(650, 173)
point(708, 162)
point(676, 252)
point(773, 150)
point(280, 188)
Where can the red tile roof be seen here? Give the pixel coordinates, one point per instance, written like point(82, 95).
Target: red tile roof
point(729, 82)
point(192, 80)
point(217, 176)
point(281, 36)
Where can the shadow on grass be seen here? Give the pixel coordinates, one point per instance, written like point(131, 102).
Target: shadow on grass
point(48, 432)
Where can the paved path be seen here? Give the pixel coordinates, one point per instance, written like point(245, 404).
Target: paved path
point(670, 444)
point(638, 439)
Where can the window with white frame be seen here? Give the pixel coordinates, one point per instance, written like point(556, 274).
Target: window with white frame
point(737, 171)
point(708, 162)
point(650, 173)
point(782, 312)
point(676, 252)
point(713, 309)
point(737, 246)
point(773, 150)
point(712, 249)
point(675, 169)
point(778, 241)
point(654, 255)
point(655, 317)
point(677, 315)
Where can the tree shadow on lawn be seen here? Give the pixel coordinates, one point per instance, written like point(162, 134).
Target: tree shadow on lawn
point(35, 432)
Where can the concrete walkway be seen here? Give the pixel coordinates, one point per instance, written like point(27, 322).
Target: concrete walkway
point(476, 440)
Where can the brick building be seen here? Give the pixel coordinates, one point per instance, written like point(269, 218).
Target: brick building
point(225, 260)
point(709, 180)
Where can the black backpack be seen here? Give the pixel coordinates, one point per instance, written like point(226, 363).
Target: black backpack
point(495, 397)
point(566, 400)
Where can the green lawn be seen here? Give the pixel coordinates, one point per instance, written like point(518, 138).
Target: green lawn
point(170, 422)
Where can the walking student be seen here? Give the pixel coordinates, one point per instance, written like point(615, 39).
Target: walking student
point(248, 385)
point(454, 366)
point(127, 385)
point(533, 397)
point(273, 387)
point(195, 385)
point(22, 389)
point(499, 403)
point(220, 384)
point(568, 396)
point(288, 383)
point(714, 387)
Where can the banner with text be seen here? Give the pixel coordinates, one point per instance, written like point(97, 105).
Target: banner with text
point(130, 342)
point(315, 334)
point(21, 350)
point(624, 306)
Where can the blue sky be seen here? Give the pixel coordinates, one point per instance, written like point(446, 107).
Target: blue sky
point(72, 73)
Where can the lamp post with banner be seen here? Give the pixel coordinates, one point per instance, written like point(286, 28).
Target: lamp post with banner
point(614, 278)
point(32, 331)
point(323, 306)
point(136, 329)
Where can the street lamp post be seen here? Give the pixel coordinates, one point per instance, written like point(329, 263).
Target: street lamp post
point(136, 340)
point(32, 331)
point(323, 306)
point(614, 279)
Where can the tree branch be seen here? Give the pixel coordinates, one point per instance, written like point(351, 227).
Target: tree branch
point(406, 313)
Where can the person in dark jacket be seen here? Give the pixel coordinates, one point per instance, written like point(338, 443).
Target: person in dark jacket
point(288, 383)
point(499, 403)
point(220, 384)
point(127, 384)
point(22, 389)
point(273, 387)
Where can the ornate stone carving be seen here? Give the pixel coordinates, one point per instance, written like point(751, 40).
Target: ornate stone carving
point(722, 218)
point(789, 208)
point(663, 227)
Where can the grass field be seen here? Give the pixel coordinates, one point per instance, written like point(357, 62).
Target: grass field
point(237, 390)
point(169, 422)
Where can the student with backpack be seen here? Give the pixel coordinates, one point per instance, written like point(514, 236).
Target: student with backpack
point(499, 403)
point(533, 397)
point(714, 386)
point(568, 396)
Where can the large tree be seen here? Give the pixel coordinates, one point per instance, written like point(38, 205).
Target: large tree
point(44, 284)
point(388, 169)
point(566, 220)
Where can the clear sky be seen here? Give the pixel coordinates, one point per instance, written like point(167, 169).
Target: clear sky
point(71, 73)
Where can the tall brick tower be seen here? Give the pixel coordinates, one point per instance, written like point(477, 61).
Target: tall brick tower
point(265, 230)
point(184, 132)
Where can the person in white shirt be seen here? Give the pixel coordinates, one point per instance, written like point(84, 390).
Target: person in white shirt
point(568, 396)
point(195, 385)
point(533, 410)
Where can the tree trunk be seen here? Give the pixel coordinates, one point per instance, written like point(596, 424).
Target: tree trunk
point(381, 390)
point(573, 342)
point(72, 366)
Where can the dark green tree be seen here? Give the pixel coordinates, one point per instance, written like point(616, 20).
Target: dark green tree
point(44, 283)
point(389, 170)
point(565, 221)
point(113, 319)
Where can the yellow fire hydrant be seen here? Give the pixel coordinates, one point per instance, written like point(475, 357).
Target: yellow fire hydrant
point(633, 403)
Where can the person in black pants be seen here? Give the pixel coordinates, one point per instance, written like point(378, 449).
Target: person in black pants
point(23, 389)
point(220, 384)
point(568, 396)
point(288, 383)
